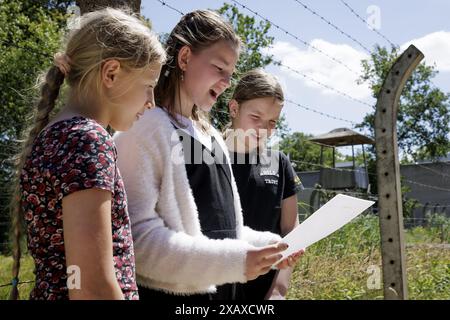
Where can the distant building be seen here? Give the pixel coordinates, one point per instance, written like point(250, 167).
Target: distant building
point(429, 184)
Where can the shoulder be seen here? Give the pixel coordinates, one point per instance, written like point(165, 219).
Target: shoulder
point(286, 163)
point(153, 119)
point(154, 124)
point(283, 157)
point(77, 126)
point(77, 134)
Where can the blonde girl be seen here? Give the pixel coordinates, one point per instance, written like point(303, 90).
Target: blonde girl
point(69, 191)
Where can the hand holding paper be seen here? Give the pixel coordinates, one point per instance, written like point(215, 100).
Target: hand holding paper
point(330, 217)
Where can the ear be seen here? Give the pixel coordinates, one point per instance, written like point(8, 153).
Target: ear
point(184, 56)
point(233, 107)
point(110, 70)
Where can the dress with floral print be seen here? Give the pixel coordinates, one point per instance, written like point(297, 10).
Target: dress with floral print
point(66, 157)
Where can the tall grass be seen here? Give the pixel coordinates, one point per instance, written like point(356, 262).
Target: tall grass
point(341, 266)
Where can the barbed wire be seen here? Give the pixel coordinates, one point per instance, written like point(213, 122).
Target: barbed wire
point(376, 31)
point(347, 192)
point(299, 39)
point(279, 63)
point(304, 75)
point(19, 283)
point(373, 174)
point(434, 171)
point(164, 3)
point(367, 24)
point(320, 112)
point(426, 185)
point(333, 26)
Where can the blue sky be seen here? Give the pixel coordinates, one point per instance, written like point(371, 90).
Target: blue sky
point(424, 23)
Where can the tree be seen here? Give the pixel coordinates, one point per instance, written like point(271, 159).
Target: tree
point(30, 35)
point(91, 5)
point(304, 154)
point(424, 110)
point(255, 38)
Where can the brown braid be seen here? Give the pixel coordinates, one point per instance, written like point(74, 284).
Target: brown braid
point(49, 93)
point(103, 34)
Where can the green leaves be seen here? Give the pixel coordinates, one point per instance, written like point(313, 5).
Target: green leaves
point(304, 154)
point(423, 120)
point(255, 38)
point(30, 34)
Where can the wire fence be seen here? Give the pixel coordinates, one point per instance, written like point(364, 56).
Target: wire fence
point(424, 185)
point(331, 24)
point(296, 37)
point(357, 15)
point(306, 43)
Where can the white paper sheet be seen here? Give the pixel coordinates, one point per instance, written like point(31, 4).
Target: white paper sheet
point(327, 219)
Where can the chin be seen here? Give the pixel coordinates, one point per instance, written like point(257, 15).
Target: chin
point(205, 107)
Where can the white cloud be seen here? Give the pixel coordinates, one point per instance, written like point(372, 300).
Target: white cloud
point(323, 69)
point(436, 48)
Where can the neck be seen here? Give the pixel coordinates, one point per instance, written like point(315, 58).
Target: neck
point(183, 103)
point(87, 108)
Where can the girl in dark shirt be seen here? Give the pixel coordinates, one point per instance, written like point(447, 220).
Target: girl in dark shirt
point(265, 178)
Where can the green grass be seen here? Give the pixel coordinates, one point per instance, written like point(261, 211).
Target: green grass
point(337, 267)
point(26, 273)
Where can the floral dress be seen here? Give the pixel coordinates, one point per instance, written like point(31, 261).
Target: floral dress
point(66, 157)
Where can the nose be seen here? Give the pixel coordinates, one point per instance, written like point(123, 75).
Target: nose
point(226, 81)
point(150, 101)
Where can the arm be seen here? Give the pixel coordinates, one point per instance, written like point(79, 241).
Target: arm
point(259, 238)
point(289, 220)
point(88, 244)
point(163, 251)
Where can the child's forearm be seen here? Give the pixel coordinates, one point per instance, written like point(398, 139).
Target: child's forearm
point(280, 284)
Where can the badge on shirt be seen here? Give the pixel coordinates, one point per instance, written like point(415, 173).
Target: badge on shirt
point(269, 175)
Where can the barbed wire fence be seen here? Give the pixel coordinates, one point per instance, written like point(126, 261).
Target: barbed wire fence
point(308, 108)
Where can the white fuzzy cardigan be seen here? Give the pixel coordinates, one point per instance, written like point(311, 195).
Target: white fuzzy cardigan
point(171, 252)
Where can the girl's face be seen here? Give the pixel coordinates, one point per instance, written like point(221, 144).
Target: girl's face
point(131, 95)
point(256, 119)
point(207, 73)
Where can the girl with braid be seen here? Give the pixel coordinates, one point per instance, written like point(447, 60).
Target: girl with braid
point(69, 194)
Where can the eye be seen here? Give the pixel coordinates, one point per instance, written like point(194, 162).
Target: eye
point(218, 68)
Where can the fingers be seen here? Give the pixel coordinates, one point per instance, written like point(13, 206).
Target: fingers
point(262, 260)
point(270, 254)
point(269, 261)
point(291, 260)
point(274, 248)
point(282, 265)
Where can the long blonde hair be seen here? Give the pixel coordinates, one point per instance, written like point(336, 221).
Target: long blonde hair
point(101, 35)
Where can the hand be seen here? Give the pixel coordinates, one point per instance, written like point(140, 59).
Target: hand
point(260, 260)
point(291, 260)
